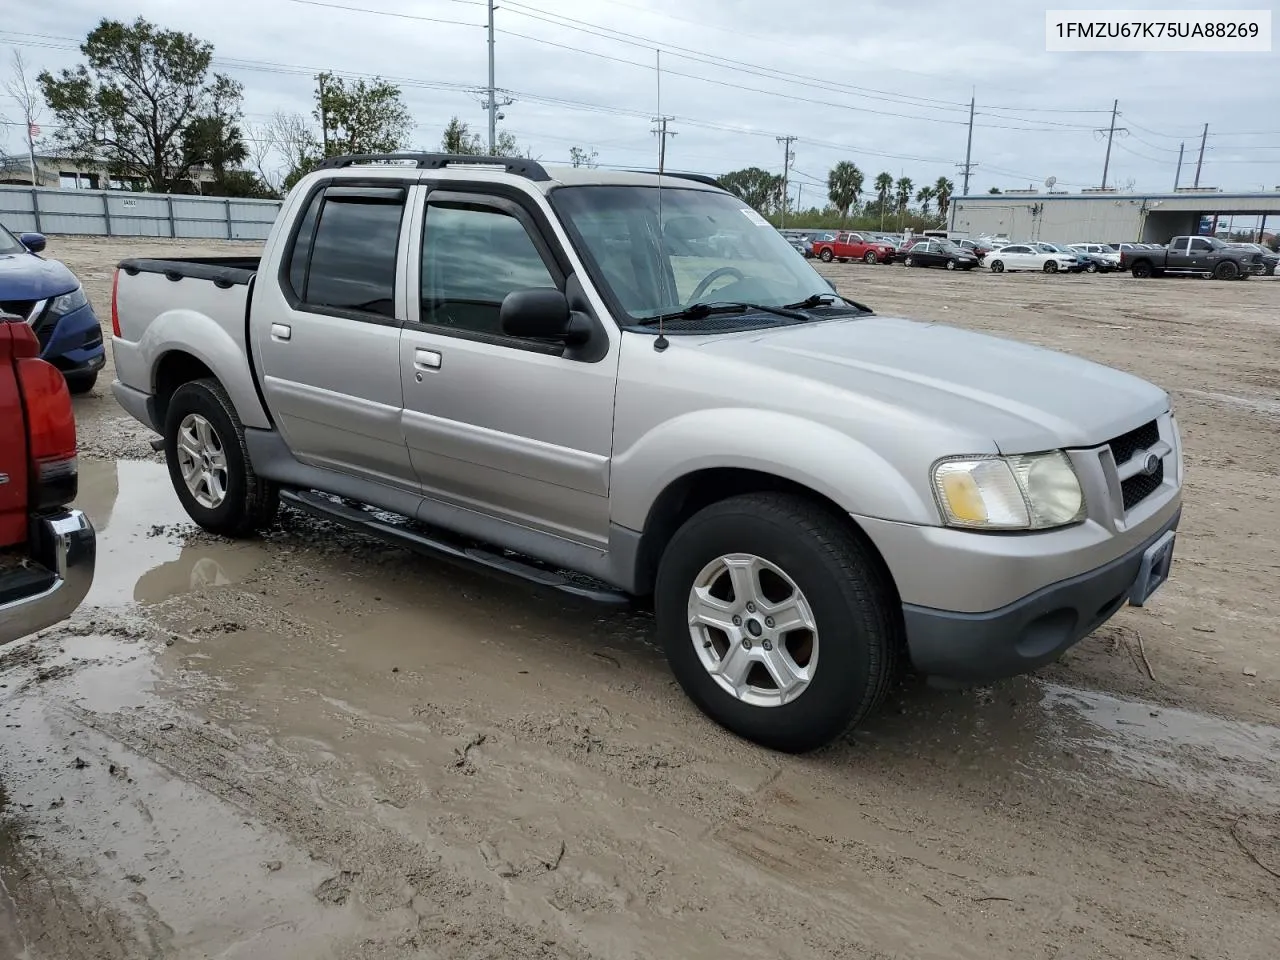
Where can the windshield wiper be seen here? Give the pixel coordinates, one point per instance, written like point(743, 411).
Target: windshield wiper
point(696, 311)
point(825, 299)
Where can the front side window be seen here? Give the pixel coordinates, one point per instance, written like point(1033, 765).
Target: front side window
point(344, 253)
point(663, 250)
point(1201, 246)
point(472, 257)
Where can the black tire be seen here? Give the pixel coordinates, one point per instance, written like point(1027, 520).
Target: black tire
point(870, 257)
point(997, 266)
point(951, 264)
point(1051, 266)
point(851, 596)
point(1226, 270)
point(826, 256)
point(250, 502)
point(1142, 269)
point(1091, 268)
point(79, 383)
point(909, 262)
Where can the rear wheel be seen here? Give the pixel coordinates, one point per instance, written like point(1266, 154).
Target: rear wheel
point(997, 266)
point(1051, 266)
point(826, 256)
point(1226, 270)
point(209, 464)
point(777, 619)
point(870, 257)
point(1142, 269)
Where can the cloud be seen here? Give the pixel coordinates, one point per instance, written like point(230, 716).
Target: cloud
point(883, 84)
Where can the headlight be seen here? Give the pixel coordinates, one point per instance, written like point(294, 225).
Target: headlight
point(68, 302)
point(1031, 492)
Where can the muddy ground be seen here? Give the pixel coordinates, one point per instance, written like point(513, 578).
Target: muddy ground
point(312, 745)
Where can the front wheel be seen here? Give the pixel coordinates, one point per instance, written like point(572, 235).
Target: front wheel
point(1091, 268)
point(951, 264)
point(997, 266)
point(870, 257)
point(1051, 266)
point(777, 620)
point(826, 256)
point(1226, 270)
point(209, 463)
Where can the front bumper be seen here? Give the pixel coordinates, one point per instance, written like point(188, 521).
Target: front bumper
point(65, 545)
point(1031, 631)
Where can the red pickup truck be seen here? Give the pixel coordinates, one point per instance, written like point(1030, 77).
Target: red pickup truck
point(47, 550)
point(853, 246)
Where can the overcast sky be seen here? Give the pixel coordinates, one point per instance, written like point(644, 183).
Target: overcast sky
point(885, 84)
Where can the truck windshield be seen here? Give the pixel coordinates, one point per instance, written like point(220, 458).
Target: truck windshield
point(691, 246)
point(9, 244)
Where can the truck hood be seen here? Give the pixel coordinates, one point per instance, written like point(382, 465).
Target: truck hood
point(1025, 398)
point(27, 277)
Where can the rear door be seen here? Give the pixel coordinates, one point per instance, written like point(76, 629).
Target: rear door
point(516, 429)
point(327, 331)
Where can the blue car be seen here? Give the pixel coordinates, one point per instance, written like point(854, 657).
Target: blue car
point(51, 299)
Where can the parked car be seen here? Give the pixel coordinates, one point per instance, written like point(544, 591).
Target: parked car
point(1270, 258)
point(922, 490)
point(1206, 256)
point(47, 549)
point(975, 247)
point(1077, 262)
point(938, 253)
point(49, 298)
point(1025, 256)
point(1100, 257)
point(854, 246)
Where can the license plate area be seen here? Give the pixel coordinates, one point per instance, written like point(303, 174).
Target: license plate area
point(1157, 559)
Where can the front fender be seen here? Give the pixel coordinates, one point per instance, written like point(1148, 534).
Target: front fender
point(815, 456)
point(200, 336)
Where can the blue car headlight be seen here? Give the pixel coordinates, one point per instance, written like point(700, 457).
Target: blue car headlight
point(68, 302)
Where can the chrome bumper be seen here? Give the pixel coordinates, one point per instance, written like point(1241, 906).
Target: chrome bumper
point(64, 544)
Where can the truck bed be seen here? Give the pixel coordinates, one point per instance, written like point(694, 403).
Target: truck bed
point(223, 271)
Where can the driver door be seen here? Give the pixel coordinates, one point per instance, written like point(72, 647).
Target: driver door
point(503, 426)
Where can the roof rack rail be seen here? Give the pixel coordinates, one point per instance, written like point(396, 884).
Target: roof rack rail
point(530, 169)
point(695, 177)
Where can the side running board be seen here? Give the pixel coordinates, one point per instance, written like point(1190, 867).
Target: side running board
point(434, 543)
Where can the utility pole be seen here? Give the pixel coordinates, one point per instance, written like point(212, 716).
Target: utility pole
point(1177, 177)
point(787, 157)
point(968, 150)
point(324, 119)
point(492, 107)
point(662, 132)
point(1106, 164)
point(1203, 137)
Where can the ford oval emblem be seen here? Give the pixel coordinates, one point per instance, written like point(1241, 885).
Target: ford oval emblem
point(1151, 464)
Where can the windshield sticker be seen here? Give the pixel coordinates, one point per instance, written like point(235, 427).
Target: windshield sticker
point(754, 217)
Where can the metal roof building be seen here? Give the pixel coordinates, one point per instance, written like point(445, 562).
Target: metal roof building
point(1106, 216)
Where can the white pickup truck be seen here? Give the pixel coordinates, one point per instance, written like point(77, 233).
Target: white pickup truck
point(619, 385)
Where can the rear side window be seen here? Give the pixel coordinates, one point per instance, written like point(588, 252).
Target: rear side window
point(344, 254)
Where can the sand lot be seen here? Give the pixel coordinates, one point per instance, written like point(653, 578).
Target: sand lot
point(313, 745)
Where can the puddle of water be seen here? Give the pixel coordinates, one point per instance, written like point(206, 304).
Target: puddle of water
point(146, 551)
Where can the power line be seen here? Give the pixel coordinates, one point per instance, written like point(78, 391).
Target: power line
point(388, 13)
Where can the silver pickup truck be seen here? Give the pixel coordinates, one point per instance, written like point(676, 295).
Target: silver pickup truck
point(620, 385)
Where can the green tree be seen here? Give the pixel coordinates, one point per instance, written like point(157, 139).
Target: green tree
point(506, 145)
point(943, 189)
point(844, 187)
point(902, 197)
point(361, 117)
point(995, 190)
point(458, 139)
point(758, 188)
point(583, 158)
point(924, 197)
point(129, 104)
point(884, 187)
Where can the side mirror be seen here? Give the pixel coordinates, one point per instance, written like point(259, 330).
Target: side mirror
point(542, 313)
point(34, 242)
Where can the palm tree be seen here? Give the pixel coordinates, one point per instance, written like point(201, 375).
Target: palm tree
point(904, 186)
point(943, 190)
point(924, 196)
point(884, 187)
point(844, 186)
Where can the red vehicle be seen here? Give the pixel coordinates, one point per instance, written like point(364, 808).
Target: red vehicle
point(853, 246)
point(47, 550)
